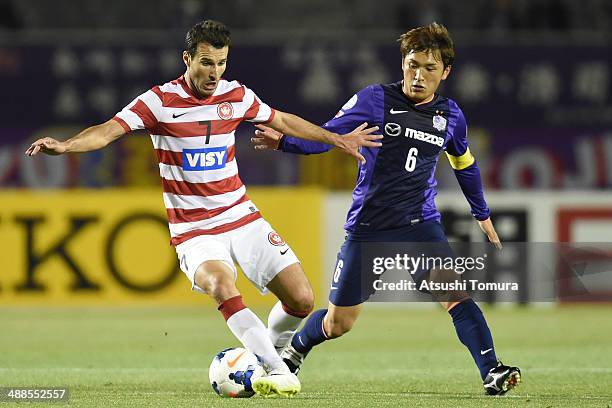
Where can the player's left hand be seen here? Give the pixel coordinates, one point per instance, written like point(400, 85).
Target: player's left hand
point(360, 137)
point(266, 138)
point(487, 227)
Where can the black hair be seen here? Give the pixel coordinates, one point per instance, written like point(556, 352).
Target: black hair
point(209, 31)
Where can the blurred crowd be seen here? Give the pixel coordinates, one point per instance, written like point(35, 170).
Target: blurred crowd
point(488, 16)
point(512, 77)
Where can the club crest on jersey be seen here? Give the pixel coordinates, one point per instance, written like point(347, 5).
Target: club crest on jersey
point(204, 159)
point(439, 123)
point(275, 239)
point(225, 111)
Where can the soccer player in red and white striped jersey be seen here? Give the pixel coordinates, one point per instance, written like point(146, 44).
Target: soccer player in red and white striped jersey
point(194, 142)
point(212, 222)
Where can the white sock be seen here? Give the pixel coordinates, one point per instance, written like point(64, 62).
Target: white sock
point(282, 326)
point(251, 332)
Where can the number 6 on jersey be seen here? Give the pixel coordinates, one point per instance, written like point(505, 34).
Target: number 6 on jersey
point(411, 159)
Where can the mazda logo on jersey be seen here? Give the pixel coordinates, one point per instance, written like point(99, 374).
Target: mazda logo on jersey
point(204, 159)
point(393, 129)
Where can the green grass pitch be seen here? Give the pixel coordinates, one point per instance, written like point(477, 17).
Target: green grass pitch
point(159, 357)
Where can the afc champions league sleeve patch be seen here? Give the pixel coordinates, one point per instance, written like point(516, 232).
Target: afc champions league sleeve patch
point(225, 111)
point(439, 123)
point(275, 239)
point(347, 106)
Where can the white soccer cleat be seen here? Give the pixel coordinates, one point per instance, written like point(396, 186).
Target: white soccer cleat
point(292, 358)
point(277, 383)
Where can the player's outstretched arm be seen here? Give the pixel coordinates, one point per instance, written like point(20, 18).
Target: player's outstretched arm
point(92, 138)
point(350, 143)
point(267, 138)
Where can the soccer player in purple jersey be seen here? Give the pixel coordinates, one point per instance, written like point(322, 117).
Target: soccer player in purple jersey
point(394, 196)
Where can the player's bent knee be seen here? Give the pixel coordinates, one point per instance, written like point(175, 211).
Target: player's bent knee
point(446, 277)
point(299, 300)
point(449, 298)
point(217, 284)
point(299, 305)
point(303, 301)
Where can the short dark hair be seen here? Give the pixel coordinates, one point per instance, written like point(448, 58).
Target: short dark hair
point(208, 31)
point(433, 37)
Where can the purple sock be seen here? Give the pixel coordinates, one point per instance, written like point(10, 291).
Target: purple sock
point(474, 333)
point(311, 334)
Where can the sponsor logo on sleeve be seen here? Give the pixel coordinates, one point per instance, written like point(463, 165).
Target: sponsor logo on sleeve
point(347, 106)
point(350, 103)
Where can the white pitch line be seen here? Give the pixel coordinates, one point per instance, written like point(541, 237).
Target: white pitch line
point(403, 370)
point(579, 369)
point(94, 369)
point(506, 396)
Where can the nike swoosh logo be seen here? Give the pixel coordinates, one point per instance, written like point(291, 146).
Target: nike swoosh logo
point(284, 252)
point(395, 112)
point(174, 115)
point(333, 288)
point(231, 363)
point(483, 352)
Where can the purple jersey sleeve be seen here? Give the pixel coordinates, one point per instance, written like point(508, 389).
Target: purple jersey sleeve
point(290, 144)
point(458, 143)
point(468, 176)
point(471, 185)
point(355, 111)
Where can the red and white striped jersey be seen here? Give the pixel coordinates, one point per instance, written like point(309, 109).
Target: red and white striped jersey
point(194, 142)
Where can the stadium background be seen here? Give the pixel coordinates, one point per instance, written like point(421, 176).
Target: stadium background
point(533, 78)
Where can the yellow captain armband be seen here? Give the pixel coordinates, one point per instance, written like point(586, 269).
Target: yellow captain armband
point(461, 162)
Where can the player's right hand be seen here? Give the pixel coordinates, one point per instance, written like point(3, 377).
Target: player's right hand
point(46, 145)
point(266, 138)
point(351, 142)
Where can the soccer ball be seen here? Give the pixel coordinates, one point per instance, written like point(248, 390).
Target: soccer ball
point(233, 371)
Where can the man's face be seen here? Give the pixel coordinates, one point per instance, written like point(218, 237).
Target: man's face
point(205, 68)
point(423, 72)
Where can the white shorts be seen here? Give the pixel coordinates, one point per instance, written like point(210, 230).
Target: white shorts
point(256, 247)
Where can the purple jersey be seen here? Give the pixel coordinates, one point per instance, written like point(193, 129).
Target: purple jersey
point(396, 187)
